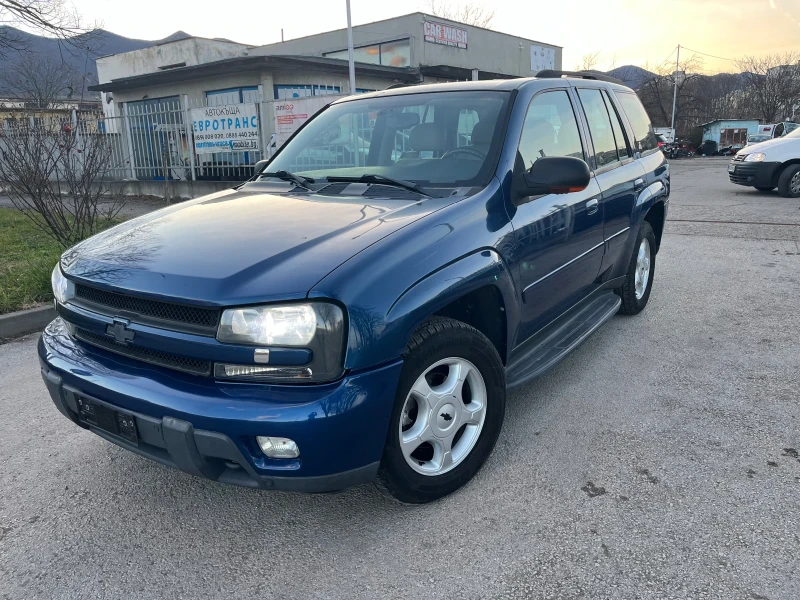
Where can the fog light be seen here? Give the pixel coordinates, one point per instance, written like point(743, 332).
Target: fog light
point(278, 447)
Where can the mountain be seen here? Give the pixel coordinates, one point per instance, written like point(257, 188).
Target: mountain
point(80, 50)
point(631, 75)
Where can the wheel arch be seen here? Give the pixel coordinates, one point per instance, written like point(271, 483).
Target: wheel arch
point(781, 168)
point(656, 217)
point(477, 289)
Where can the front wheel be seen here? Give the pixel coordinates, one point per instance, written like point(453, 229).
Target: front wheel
point(635, 292)
point(789, 182)
point(448, 412)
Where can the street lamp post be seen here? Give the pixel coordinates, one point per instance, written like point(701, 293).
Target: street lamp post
point(350, 57)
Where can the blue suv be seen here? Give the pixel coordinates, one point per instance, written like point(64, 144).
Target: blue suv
point(357, 310)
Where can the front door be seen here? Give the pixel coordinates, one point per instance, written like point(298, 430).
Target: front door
point(558, 245)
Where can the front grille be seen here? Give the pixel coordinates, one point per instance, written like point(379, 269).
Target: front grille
point(739, 157)
point(177, 313)
point(195, 366)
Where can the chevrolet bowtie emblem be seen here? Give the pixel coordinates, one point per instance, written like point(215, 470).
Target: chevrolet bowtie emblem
point(120, 332)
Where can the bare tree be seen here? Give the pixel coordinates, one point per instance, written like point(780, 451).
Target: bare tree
point(41, 80)
point(52, 18)
point(469, 13)
point(589, 62)
point(657, 91)
point(56, 174)
point(772, 84)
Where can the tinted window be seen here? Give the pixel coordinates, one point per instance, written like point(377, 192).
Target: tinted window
point(616, 125)
point(645, 138)
point(550, 129)
point(605, 146)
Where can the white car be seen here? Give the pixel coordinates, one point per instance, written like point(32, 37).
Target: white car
point(769, 165)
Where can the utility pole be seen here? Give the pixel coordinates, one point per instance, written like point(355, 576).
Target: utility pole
point(675, 91)
point(350, 51)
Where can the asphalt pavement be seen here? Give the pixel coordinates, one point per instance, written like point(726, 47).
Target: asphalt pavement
point(659, 460)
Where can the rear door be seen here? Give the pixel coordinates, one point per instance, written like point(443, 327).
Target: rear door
point(618, 174)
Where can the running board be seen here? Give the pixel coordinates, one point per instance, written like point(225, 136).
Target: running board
point(558, 339)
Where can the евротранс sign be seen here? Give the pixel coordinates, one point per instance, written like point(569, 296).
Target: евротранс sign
point(225, 128)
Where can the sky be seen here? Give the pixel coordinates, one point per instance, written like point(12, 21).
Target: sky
point(639, 32)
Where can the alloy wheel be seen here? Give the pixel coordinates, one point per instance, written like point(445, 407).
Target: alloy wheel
point(443, 416)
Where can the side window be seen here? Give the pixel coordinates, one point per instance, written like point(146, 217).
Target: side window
point(550, 129)
point(605, 146)
point(645, 137)
point(619, 135)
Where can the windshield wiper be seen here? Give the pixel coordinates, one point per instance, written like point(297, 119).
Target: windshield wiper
point(298, 180)
point(383, 180)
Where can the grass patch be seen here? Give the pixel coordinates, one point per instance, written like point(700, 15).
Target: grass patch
point(27, 257)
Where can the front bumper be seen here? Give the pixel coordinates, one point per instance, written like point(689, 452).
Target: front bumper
point(755, 174)
point(208, 428)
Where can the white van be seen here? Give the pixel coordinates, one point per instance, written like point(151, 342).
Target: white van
point(769, 165)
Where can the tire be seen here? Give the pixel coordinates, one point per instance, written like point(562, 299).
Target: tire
point(765, 189)
point(439, 340)
point(789, 182)
point(633, 303)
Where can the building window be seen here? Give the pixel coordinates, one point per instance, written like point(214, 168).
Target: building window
point(396, 53)
point(232, 96)
point(286, 92)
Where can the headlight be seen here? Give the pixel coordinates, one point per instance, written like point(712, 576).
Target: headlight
point(317, 326)
point(755, 157)
point(290, 325)
point(63, 288)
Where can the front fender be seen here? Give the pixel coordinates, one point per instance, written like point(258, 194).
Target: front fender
point(437, 290)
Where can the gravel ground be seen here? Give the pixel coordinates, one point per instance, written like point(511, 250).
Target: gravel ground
point(659, 460)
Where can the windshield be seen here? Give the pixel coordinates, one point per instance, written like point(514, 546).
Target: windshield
point(445, 139)
point(757, 138)
point(794, 134)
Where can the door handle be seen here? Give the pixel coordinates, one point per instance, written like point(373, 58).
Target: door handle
point(638, 184)
point(592, 206)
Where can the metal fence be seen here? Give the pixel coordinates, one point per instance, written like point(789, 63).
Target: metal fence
point(154, 139)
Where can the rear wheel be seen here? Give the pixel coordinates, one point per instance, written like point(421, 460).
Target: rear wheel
point(635, 292)
point(448, 412)
point(789, 182)
point(765, 189)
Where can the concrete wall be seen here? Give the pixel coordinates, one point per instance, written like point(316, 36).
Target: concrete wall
point(487, 50)
point(192, 51)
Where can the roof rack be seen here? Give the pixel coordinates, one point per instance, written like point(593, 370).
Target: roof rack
point(551, 74)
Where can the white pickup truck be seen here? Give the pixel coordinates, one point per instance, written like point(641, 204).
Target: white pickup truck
point(769, 165)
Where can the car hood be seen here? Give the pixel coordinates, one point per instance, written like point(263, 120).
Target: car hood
point(240, 246)
point(773, 144)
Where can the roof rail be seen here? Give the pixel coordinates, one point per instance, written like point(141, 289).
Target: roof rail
point(551, 74)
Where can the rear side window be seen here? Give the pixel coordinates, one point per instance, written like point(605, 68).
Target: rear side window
point(605, 146)
point(645, 137)
point(616, 125)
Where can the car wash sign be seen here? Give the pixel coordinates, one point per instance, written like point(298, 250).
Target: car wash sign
point(225, 128)
point(445, 35)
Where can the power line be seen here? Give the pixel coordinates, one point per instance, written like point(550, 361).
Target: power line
point(710, 55)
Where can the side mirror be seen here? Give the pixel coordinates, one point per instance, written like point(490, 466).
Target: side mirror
point(555, 175)
point(259, 166)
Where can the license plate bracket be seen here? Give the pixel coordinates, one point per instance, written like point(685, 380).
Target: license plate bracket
point(731, 168)
point(111, 420)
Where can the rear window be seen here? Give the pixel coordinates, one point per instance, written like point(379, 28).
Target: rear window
point(645, 137)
